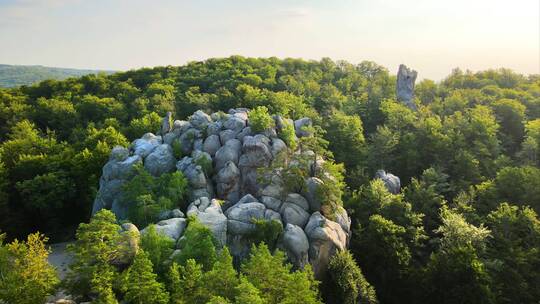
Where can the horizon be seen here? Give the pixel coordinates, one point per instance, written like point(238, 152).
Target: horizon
point(432, 38)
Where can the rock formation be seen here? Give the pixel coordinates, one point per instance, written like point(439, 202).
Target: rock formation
point(230, 196)
point(392, 182)
point(405, 86)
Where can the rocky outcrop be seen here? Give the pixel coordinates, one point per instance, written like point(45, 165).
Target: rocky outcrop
point(222, 159)
point(392, 182)
point(405, 86)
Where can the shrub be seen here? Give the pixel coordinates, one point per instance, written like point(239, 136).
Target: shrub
point(158, 247)
point(25, 275)
point(266, 232)
point(260, 120)
point(288, 135)
point(198, 243)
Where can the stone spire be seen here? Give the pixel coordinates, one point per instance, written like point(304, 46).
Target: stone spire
point(405, 86)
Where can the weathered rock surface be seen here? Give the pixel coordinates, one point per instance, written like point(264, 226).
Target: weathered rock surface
point(392, 182)
point(405, 86)
point(222, 158)
point(325, 239)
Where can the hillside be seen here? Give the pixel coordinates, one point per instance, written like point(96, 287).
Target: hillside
point(404, 191)
point(17, 75)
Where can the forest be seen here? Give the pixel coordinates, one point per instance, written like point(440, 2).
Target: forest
point(463, 229)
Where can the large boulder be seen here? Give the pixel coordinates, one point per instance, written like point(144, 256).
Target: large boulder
point(296, 245)
point(172, 228)
point(325, 239)
point(405, 86)
point(146, 144)
point(294, 214)
point(312, 191)
point(160, 161)
point(200, 120)
point(301, 127)
point(240, 217)
point(209, 214)
point(392, 182)
point(228, 182)
point(129, 242)
point(236, 122)
point(211, 144)
point(228, 152)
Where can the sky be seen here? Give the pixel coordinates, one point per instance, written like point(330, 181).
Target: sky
point(431, 36)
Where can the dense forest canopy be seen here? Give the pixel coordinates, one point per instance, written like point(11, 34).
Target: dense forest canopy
point(465, 224)
point(18, 75)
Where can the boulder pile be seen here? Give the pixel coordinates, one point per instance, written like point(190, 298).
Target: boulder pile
point(222, 159)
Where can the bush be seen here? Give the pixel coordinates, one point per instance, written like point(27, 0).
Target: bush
point(198, 243)
point(158, 247)
point(25, 275)
point(260, 120)
point(288, 135)
point(147, 196)
point(266, 232)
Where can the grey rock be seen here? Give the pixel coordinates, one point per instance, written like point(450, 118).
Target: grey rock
point(124, 169)
point(170, 137)
point(214, 128)
point(187, 139)
point(107, 193)
point(278, 146)
point(294, 214)
point(271, 203)
point(181, 125)
point(119, 154)
point(211, 144)
point(229, 152)
point(160, 161)
point(312, 196)
point(297, 199)
point(166, 124)
point(235, 123)
point(200, 120)
point(256, 152)
point(172, 228)
point(198, 144)
point(146, 144)
point(405, 86)
point(120, 209)
point(129, 242)
point(210, 215)
point(226, 135)
point(274, 189)
point(392, 182)
point(343, 219)
point(296, 245)
point(245, 132)
point(272, 215)
point(248, 198)
point(240, 217)
point(300, 125)
point(184, 163)
point(177, 213)
point(228, 182)
point(325, 239)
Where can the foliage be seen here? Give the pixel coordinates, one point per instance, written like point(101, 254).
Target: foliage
point(25, 275)
point(158, 248)
point(147, 196)
point(97, 246)
point(140, 282)
point(198, 243)
point(266, 231)
point(347, 283)
point(288, 135)
point(260, 120)
point(269, 274)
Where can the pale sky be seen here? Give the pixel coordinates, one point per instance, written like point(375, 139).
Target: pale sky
point(431, 36)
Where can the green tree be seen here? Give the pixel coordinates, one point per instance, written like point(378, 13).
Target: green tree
point(269, 274)
point(25, 274)
point(92, 274)
point(158, 248)
point(513, 249)
point(346, 283)
point(222, 279)
point(186, 284)
point(247, 293)
point(140, 282)
point(260, 120)
point(198, 243)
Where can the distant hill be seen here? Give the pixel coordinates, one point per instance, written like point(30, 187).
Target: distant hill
point(17, 75)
